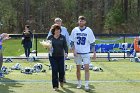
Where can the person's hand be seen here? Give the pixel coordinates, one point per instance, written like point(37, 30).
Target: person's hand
point(75, 53)
point(94, 56)
point(5, 36)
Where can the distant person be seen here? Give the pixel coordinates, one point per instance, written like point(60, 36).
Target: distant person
point(63, 32)
point(59, 50)
point(3, 36)
point(26, 40)
point(82, 38)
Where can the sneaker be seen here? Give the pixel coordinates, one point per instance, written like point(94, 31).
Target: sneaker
point(79, 86)
point(1, 75)
point(87, 89)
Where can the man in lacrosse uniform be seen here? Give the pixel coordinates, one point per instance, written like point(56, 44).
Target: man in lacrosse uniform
point(82, 38)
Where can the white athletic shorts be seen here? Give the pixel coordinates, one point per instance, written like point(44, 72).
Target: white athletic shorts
point(85, 58)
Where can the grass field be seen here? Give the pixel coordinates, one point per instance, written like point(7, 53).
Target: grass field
point(118, 77)
point(13, 47)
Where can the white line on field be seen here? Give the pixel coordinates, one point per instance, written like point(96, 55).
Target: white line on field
point(69, 81)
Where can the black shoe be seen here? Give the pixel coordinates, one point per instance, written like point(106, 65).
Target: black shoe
point(55, 89)
point(64, 80)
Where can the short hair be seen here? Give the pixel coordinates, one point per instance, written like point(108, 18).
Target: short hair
point(27, 26)
point(54, 27)
point(82, 18)
point(57, 19)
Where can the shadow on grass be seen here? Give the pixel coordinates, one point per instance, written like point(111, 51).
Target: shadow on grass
point(73, 86)
point(6, 84)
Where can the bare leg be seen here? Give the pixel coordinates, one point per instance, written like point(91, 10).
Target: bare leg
point(86, 72)
point(87, 76)
point(78, 72)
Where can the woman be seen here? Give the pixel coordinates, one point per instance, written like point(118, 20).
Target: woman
point(59, 47)
point(26, 40)
point(63, 32)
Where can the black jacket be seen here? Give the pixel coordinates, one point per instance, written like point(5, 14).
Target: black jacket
point(27, 43)
point(59, 45)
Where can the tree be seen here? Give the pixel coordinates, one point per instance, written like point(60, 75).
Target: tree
point(138, 8)
point(119, 15)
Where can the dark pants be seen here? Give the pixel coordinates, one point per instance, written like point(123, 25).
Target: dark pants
point(57, 64)
point(27, 45)
point(1, 59)
point(27, 51)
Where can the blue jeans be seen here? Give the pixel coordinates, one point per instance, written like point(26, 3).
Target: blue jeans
point(57, 64)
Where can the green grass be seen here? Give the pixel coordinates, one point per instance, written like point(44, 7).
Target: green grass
point(13, 47)
point(123, 70)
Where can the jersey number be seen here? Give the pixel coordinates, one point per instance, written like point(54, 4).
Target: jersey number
point(81, 40)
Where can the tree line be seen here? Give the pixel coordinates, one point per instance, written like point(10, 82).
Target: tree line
point(103, 16)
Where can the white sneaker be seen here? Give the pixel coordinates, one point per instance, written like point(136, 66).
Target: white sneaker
point(79, 86)
point(87, 88)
